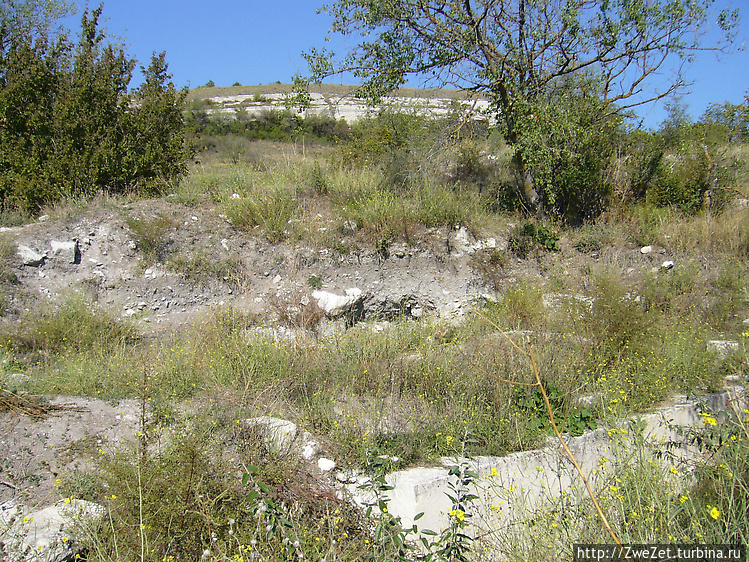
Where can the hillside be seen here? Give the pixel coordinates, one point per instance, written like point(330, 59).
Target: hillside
point(282, 325)
point(333, 101)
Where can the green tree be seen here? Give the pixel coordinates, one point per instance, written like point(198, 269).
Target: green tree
point(156, 149)
point(27, 20)
point(520, 52)
point(69, 125)
point(89, 114)
point(733, 117)
point(29, 85)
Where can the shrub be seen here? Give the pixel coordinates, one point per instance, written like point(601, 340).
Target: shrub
point(271, 208)
point(565, 143)
point(152, 237)
point(70, 129)
point(681, 180)
point(530, 237)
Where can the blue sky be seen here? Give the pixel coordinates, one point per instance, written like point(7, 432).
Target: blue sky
point(260, 42)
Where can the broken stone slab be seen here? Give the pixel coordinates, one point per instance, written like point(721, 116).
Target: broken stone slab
point(508, 487)
point(67, 252)
point(30, 257)
point(723, 347)
point(278, 435)
point(338, 305)
point(48, 535)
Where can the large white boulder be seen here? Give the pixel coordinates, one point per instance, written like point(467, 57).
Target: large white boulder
point(337, 305)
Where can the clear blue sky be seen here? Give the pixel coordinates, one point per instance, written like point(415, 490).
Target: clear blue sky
point(260, 42)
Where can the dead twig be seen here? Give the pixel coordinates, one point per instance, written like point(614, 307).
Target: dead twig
point(32, 406)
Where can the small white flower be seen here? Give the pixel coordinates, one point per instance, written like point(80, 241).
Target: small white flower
point(206, 554)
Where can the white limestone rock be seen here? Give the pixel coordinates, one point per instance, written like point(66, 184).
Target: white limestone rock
point(278, 434)
point(337, 305)
point(326, 465)
point(47, 535)
point(30, 257)
point(66, 252)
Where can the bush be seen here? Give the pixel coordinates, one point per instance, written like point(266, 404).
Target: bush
point(530, 237)
point(151, 237)
point(70, 128)
point(270, 124)
point(271, 208)
point(680, 180)
point(565, 143)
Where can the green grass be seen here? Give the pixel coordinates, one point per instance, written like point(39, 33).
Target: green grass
point(151, 236)
point(201, 269)
point(411, 392)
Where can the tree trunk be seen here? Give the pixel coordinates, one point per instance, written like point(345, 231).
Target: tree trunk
point(526, 187)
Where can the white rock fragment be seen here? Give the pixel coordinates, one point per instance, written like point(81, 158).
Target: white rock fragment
point(47, 534)
point(325, 465)
point(310, 450)
point(278, 434)
point(723, 347)
point(65, 251)
point(646, 250)
point(346, 476)
point(30, 256)
point(336, 305)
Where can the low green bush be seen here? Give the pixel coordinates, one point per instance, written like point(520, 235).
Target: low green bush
point(271, 208)
point(152, 237)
